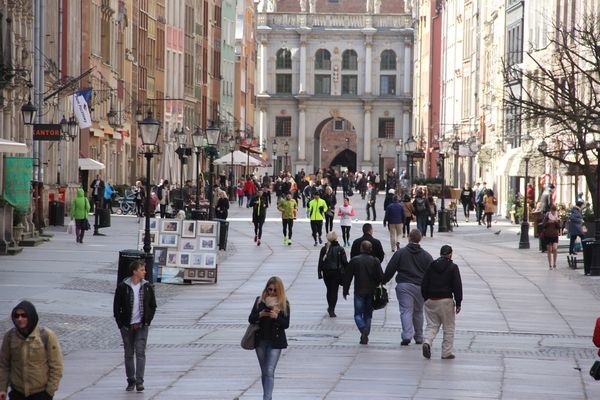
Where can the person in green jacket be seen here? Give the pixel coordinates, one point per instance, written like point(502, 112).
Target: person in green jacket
point(317, 208)
point(80, 208)
point(287, 207)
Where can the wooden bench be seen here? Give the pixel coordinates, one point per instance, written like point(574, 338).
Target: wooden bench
point(573, 261)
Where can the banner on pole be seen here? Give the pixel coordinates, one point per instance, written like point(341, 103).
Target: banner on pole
point(17, 182)
point(81, 110)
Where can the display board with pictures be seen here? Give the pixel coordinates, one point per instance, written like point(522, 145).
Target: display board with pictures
point(183, 250)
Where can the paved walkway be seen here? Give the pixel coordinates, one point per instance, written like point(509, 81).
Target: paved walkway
point(524, 332)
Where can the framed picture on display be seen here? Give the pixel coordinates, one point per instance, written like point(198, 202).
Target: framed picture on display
point(189, 245)
point(153, 238)
point(210, 260)
point(170, 226)
point(169, 239)
point(208, 243)
point(188, 229)
point(160, 255)
point(172, 258)
point(153, 224)
point(207, 228)
point(197, 260)
point(172, 275)
point(184, 259)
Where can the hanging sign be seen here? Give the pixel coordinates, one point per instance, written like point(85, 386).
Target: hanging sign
point(17, 182)
point(49, 132)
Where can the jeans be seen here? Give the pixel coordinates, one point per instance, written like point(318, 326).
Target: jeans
point(288, 224)
point(406, 227)
point(267, 359)
point(134, 341)
point(371, 206)
point(422, 224)
point(328, 223)
point(410, 302)
point(363, 311)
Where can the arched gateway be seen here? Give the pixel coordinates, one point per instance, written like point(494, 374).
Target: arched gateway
point(335, 144)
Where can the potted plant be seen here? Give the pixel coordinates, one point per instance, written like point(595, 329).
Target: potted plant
point(18, 226)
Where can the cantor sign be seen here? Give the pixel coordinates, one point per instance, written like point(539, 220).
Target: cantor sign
point(46, 132)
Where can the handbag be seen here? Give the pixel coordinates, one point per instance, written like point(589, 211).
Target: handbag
point(86, 225)
point(380, 297)
point(249, 338)
point(595, 370)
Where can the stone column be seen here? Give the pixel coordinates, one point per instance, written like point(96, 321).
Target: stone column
point(301, 132)
point(406, 124)
point(262, 123)
point(407, 67)
point(263, 65)
point(368, 65)
point(302, 88)
point(367, 133)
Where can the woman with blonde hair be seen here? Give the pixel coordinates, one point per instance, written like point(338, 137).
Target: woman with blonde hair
point(222, 206)
point(331, 266)
point(271, 311)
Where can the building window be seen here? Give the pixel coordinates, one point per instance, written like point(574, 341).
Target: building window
point(349, 84)
point(386, 128)
point(284, 59)
point(387, 84)
point(283, 126)
point(388, 60)
point(283, 83)
point(349, 60)
point(322, 59)
point(338, 124)
point(322, 84)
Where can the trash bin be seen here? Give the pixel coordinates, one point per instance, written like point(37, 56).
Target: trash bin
point(126, 257)
point(444, 224)
point(535, 218)
point(103, 217)
point(199, 215)
point(223, 233)
point(587, 254)
point(56, 214)
point(541, 241)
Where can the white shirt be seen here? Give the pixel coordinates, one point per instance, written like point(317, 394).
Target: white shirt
point(136, 316)
point(346, 218)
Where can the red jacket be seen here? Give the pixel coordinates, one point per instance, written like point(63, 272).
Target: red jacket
point(596, 338)
point(249, 187)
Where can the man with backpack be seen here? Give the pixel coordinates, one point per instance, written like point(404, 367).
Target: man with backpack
point(331, 267)
point(30, 358)
point(421, 206)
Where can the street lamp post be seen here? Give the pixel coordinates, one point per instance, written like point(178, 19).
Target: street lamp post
point(409, 149)
point(182, 151)
point(398, 150)
point(286, 149)
point(379, 152)
point(526, 146)
point(274, 148)
point(212, 137)
point(149, 128)
point(443, 218)
point(231, 174)
point(197, 140)
point(595, 250)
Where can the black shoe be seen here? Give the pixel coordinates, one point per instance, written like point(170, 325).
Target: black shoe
point(449, 357)
point(426, 351)
point(331, 313)
point(315, 243)
point(320, 240)
point(140, 387)
point(418, 341)
point(130, 387)
point(405, 342)
point(364, 338)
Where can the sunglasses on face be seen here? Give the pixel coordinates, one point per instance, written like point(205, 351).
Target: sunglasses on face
point(20, 315)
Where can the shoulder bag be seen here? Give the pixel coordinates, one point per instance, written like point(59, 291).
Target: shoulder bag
point(380, 298)
point(249, 338)
point(595, 370)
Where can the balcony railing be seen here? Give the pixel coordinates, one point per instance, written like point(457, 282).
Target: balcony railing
point(341, 21)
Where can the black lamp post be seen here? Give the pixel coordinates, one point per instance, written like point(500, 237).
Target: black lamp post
point(28, 111)
point(398, 151)
point(443, 218)
point(595, 250)
point(409, 149)
point(231, 174)
point(149, 128)
point(286, 149)
point(380, 168)
point(526, 146)
point(212, 137)
point(197, 139)
point(274, 148)
point(182, 152)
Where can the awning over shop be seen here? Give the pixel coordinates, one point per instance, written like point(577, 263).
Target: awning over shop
point(90, 164)
point(8, 146)
point(239, 158)
point(512, 163)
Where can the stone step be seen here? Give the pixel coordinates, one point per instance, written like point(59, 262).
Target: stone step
point(33, 241)
point(11, 251)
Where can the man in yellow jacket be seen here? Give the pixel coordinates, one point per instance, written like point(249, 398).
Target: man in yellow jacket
point(30, 358)
point(317, 208)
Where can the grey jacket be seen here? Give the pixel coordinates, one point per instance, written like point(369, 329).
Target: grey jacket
point(409, 264)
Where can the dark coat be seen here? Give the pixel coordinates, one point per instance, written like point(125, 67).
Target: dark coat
point(366, 272)
point(270, 329)
point(123, 303)
point(442, 280)
point(259, 212)
point(377, 250)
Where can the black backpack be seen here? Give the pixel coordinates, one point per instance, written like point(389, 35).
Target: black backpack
point(420, 204)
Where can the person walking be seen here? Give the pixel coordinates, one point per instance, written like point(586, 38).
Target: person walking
point(331, 201)
point(479, 204)
point(31, 361)
point(371, 200)
point(346, 212)
point(432, 214)
point(376, 247)
point(316, 213)
point(134, 306)
point(489, 201)
point(222, 206)
point(164, 198)
point(421, 206)
point(409, 265)
point(249, 189)
point(97, 192)
point(394, 219)
point(109, 193)
point(331, 266)
point(467, 199)
point(139, 194)
point(366, 272)
point(80, 208)
point(259, 205)
point(409, 212)
point(576, 226)
point(271, 311)
point(442, 290)
point(551, 227)
point(288, 208)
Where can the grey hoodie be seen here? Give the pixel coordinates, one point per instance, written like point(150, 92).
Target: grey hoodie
point(409, 264)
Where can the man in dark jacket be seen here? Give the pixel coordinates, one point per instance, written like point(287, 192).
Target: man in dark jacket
point(259, 205)
point(409, 265)
point(394, 219)
point(377, 249)
point(371, 200)
point(442, 290)
point(367, 273)
point(133, 308)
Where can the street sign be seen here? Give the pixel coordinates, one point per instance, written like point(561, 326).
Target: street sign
point(49, 132)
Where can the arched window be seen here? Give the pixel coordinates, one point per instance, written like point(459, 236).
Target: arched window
point(322, 59)
point(349, 60)
point(388, 60)
point(284, 59)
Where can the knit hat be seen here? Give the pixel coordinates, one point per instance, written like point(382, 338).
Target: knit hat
point(406, 198)
point(445, 250)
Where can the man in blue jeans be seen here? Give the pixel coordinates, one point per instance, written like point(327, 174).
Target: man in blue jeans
point(367, 274)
